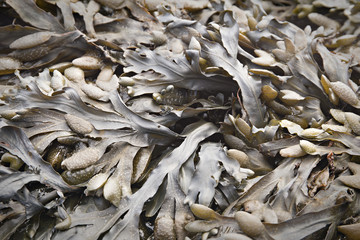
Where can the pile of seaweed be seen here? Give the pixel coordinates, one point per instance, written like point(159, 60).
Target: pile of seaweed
point(219, 119)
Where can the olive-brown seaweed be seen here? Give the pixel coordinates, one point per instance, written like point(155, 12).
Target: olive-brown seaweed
point(210, 119)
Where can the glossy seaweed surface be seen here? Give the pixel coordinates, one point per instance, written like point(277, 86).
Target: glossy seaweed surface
point(208, 119)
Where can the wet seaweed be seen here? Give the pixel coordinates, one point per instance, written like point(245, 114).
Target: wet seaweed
point(179, 119)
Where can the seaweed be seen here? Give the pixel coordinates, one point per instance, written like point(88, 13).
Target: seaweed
point(179, 119)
